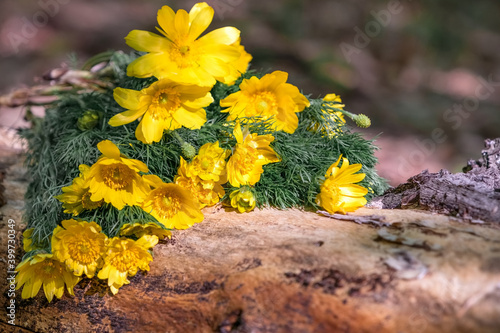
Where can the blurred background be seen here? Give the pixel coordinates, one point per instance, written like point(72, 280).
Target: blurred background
point(426, 72)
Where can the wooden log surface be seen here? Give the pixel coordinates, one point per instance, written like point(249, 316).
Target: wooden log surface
point(287, 271)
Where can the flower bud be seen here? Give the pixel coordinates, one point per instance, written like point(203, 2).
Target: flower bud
point(88, 120)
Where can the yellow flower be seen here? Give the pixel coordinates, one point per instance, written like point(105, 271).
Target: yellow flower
point(124, 257)
point(206, 192)
point(80, 245)
point(210, 163)
point(252, 151)
point(138, 230)
point(269, 98)
point(164, 105)
point(329, 130)
point(76, 197)
point(27, 241)
point(336, 102)
point(179, 54)
point(43, 269)
point(171, 204)
point(115, 179)
point(242, 199)
point(339, 193)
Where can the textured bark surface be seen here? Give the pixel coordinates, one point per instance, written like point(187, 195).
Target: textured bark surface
point(473, 195)
point(288, 271)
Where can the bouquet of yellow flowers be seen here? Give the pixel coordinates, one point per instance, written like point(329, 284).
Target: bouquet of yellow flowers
point(182, 124)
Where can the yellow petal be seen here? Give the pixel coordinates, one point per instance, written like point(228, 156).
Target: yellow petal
point(152, 180)
point(226, 35)
point(226, 53)
point(149, 65)
point(127, 98)
point(200, 17)
point(166, 17)
point(151, 128)
point(146, 41)
point(353, 190)
point(333, 166)
point(147, 241)
point(191, 120)
point(109, 149)
point(181, 22)
point(238, 134)
point(126, 117)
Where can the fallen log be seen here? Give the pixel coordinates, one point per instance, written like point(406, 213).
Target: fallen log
point(288, 271)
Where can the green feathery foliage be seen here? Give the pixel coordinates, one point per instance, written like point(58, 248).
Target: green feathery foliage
point(68, 135)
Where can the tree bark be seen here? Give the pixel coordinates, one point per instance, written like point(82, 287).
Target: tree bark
point(473, 194)
point(288, 271)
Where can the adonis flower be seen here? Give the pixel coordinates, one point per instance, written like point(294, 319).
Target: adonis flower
point(171, 204)
point(115, 178)
point(210, 163)
point(180, 55)
point(207, 192)
point(124, 257)
point(138, 230)
point(76, 197)
point(339, 193)
point(242, 199)
point(164, 105)
point(43, 269)
point(269, 98)
point(252, 151)
point(80, 245)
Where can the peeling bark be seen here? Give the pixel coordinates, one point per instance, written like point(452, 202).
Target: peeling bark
point(473, 195)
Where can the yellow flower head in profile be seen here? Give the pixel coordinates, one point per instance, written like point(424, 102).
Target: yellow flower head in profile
point(123, 258)
point(138, 230)
point(252, 151)
point(333, 116)
point(164, 105)
point(80, 245)
point(210, 163)
point(269, 98)
point(339, 193)
point(43, 269)
point(27, 241)
point(76, 197)
point(115, 178)
point(171, 204)
point(206, 192)
point(242, 199)
point(179, 54)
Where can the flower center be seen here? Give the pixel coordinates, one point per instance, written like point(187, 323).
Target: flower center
point(125, 260)
point(206, 163)
point(333, 191)
point(165, 103)
point(83, 250)
point(246, 157)
point(117, 176)
point(184, 55)
point(89, 204)
point(184, 49)
point(167, 204)
point(49, 267)
point(163, 98)
point(264, 104)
